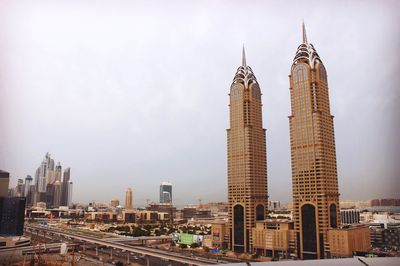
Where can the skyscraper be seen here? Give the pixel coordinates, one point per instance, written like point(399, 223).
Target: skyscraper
point(57, 194)
point(69, 197)
point(128, 199)
point(247, 162)
point(65, 186)
point(42, 182)
point(28, 183)
point(313, 155)
point(166, 192)
point(57, 173)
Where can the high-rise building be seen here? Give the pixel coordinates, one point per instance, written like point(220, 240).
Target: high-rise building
point(69, 197)
point(57, 194)
point(247, 162)
point(313, 155)
point(166, 192)
point(42, 182)
point(57, 172)
point(28, 183)
point(128, 199)
point(65, 187)
point(20, 189)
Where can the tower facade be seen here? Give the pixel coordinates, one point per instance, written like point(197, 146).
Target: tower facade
point(128, 199)
point(166, 192)
point(247, 162)
point(66, 188)
point(313, 155)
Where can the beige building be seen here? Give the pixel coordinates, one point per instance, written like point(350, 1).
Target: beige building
point(114, 202)
point(313, 154)
point(344, 241)
point(219, 234)
point(101, 216)
point(247, 163)
point(273, 238)
point(4, 182)
point(128, 199)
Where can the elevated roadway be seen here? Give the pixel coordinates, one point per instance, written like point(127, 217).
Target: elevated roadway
point(161, 254)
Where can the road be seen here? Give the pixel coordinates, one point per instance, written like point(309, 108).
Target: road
point(150, 253)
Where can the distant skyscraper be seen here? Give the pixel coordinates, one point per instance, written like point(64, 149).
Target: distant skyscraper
point(166, 192)
point(247, 163)
point(28, 183)
point(65, 193)
point(57, 194)
point(312, 145)
point(20, 189)
point(42, 182)
point(57, 172)
point(128, 199)
point(69, 198)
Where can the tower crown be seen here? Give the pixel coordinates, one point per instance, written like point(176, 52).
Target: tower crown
point(306, 52)
point(244, 74)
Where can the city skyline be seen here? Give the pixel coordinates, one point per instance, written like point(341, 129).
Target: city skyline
point(100, 123)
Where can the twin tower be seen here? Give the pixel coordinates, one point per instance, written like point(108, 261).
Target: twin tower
point(313, 156)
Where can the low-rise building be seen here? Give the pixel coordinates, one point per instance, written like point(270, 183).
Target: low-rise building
point(345, 241)
point(273, 238)
point(219, 234)
point(350, 216)
point(101, 216)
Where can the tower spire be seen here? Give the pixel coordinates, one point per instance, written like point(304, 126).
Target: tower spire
point(243, 57)
point(304, 33)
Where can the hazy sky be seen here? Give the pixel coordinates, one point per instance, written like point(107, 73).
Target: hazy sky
point(132, 93)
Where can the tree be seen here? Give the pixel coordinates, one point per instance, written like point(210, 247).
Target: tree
point(194, 245)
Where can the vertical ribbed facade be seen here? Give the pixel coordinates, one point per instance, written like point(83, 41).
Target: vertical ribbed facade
point(247, 163)
point(128, 199)
point(313, 155)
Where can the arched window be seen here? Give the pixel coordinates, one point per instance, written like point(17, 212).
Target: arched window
point(333, 215)
point(309, 231)
point(260, 212)
point(238, 227)
point(299, 73)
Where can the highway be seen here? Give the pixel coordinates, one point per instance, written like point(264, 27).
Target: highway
point(36, 248)
point(150, 252)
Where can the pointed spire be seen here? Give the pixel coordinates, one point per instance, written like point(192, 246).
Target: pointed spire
point(304, 33)
point(243, 57)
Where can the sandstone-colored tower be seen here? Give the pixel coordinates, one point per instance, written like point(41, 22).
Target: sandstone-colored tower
point(128, 199)
point(313, 155)
point(247, 163)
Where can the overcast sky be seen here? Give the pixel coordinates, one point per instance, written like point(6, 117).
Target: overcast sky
point(132, 93)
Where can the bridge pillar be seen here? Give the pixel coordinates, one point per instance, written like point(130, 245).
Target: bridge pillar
point(97, 250)
point(111, 253)
point(127, 259)
point(147, 261)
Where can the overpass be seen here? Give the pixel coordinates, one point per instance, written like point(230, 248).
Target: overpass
point(141, 239)
point(148, 252)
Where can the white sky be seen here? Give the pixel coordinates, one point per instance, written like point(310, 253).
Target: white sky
point(132, 93)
